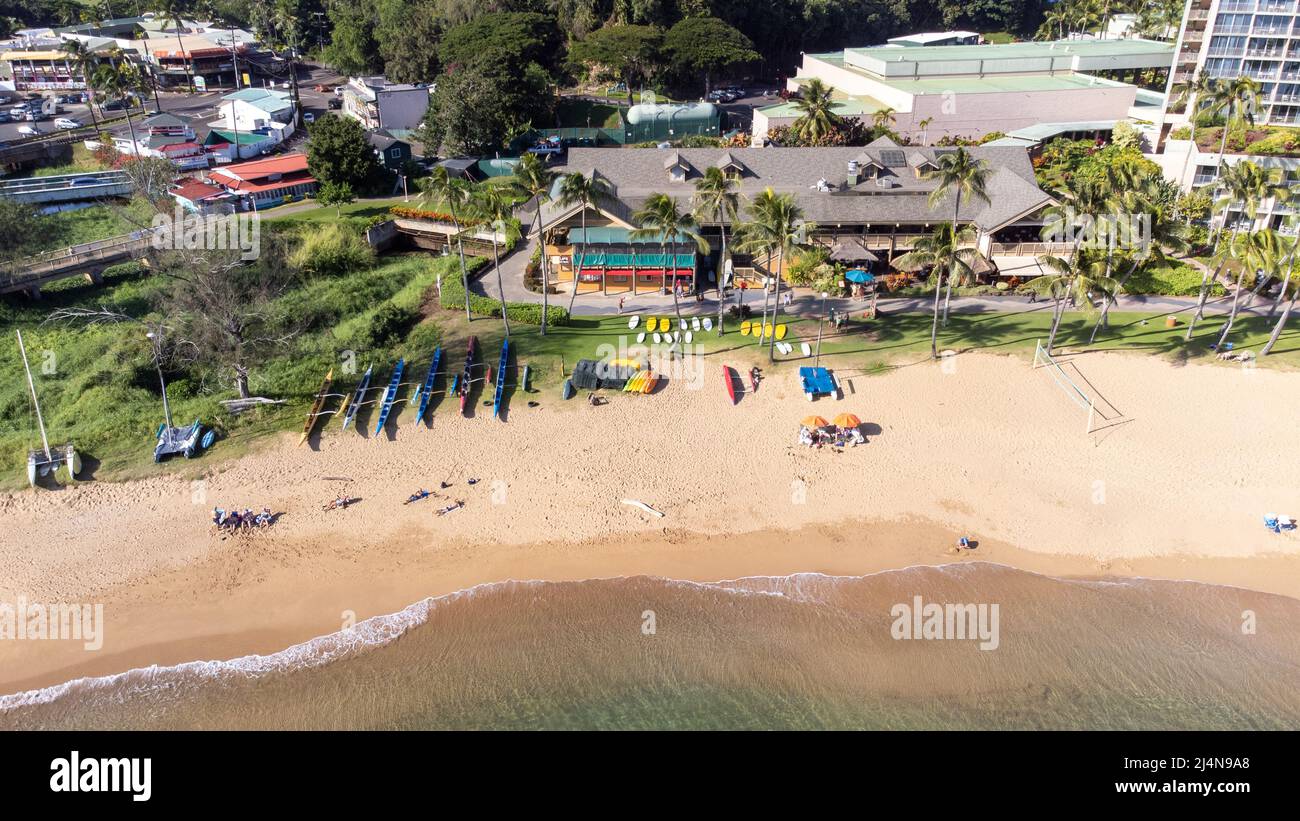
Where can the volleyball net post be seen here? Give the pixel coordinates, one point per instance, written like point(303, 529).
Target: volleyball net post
point(1071, 388)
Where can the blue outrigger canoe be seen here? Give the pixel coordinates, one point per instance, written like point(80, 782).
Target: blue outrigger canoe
point(501, 378)
point(389, 395)
point(426, 390)
point(357, 396)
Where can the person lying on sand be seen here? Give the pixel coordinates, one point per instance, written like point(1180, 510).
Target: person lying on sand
point(339, 503)
point(449, 508)
point(417, 496)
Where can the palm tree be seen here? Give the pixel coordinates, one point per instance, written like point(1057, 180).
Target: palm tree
point(716, 198)
point(1286, 314)
point(1250, 185)
point(775, 226)
point(534, 180)
point(949, 256)
point(491, 204)
point(1257, 250)
point(169, 13)
point(441, 188)
point(661, 219)
point(925, 130)
point(961, 175)
point(817, 117)
point(120, 79)
point(1079, 276)
point(85, 62)
point(1168, 235)
point(884, 119)
point(588, 192)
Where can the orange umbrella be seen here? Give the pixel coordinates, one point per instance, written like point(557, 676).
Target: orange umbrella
point(814, 422)
point(847, 420)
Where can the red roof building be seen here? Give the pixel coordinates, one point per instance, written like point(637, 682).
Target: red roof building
point(267, 182)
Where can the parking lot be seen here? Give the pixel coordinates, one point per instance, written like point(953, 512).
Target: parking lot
point(201, 107)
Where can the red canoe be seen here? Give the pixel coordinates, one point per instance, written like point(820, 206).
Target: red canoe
point(731, 383)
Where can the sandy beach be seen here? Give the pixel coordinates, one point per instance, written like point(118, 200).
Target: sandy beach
point(983, 446)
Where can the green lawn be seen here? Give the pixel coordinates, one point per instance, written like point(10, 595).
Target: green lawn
point(575, 113)
point(361, 209)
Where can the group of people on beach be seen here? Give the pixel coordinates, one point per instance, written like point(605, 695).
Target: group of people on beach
point(831, 436)
point(241, 519)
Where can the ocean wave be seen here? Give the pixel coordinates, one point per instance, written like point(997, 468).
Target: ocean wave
point(366, 635)
point(812, 588)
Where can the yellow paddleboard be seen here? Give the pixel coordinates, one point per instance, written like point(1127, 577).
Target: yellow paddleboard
point(744, 327)
point(780, 331)
point(626, 363)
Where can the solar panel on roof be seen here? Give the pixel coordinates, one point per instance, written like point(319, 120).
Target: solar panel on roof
point(893, 158)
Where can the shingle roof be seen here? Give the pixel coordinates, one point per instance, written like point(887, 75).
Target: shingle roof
point(635, 174)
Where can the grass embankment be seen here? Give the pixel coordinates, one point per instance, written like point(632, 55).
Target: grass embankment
point(74, 227)
point(98, 389)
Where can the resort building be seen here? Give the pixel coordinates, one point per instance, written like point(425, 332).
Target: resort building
point(868, 205)
point(1226, 39)
point(934, 92)
point(377, 103)
point(267, 182)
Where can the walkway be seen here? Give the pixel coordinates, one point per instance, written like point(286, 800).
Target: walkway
point(809, 305)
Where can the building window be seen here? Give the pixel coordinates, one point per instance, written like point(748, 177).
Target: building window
point(395, 153)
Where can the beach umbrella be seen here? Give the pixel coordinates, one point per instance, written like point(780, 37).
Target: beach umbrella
point(847, 420)
point(859, 275)
point(814, 422)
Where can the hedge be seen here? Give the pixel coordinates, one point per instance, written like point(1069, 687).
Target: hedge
point(529, 313)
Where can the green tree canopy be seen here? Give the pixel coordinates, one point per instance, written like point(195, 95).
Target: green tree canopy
point(707, 45)
point(628, 53)
point(339, 153)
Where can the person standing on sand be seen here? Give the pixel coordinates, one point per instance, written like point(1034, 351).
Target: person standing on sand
point(620, 303)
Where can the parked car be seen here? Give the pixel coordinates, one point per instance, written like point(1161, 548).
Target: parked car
point(309, 118)
point(335, 104)
point(114, 105)
point(66, 123)
point(28, 131)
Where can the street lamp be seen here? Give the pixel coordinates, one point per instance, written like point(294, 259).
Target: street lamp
point(820, 324)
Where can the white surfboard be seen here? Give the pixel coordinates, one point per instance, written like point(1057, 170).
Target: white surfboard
point(708, 323)
point(681, 324)
point(640, 337)
point(657, 338)
point(806, 348)
point(695, 324)
point(633, 322)
point(689, 336)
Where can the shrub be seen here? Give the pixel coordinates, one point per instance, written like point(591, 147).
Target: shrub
point(425, 214)
point(1171, 280)
point(387, 324)
point(335, 249)
point(529, 313)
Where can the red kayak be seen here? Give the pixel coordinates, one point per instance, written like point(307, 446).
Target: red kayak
point(731, 383)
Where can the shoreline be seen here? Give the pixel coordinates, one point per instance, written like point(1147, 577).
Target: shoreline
point(146, 632)
point(984, 447)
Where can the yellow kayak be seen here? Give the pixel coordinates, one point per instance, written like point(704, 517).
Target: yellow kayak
point(745, 327)
point(780, 332)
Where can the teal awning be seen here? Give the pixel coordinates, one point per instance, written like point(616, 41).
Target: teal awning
point(616, 236)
